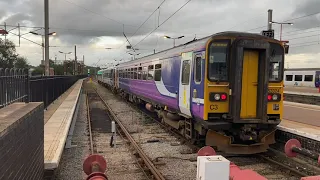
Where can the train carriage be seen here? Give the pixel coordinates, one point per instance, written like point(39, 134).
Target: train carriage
point(302, 77)
point(225, 89)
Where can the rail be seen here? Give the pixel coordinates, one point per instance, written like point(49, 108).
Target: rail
point(157, 175)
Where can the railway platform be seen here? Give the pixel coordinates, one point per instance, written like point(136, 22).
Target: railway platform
point(301, 119)
point(296, 89)
point(58, 119)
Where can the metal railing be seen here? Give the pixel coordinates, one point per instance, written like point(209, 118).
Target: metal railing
point(49, 88)
point(17, 86)
point(13, 86)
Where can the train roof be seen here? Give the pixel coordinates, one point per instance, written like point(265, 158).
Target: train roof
point(194, 45)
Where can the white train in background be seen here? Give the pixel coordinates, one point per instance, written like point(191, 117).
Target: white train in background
point(303, 77)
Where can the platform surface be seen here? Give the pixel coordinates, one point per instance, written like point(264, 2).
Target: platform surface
point(301, 119)
point(308, 91)
point(57, 127)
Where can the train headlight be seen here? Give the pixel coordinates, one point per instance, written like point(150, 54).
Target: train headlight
point(217, 97)
point(274, 97)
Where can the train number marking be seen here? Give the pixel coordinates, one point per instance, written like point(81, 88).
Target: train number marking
point(214, 107)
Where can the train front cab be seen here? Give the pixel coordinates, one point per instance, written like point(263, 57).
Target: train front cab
point(243, 93)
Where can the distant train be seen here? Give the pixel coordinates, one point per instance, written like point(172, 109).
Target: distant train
point(303, 77)
point(225, 90)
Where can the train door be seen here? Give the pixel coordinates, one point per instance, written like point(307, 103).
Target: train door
point(317, 79)
point(116, 84)
point(249, 84)
point(184, 83)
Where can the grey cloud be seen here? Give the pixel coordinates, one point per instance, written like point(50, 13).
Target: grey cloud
point(76, 25)
point(306, 8)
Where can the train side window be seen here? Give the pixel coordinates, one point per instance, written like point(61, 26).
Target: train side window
point(289, 77)
point(308, 78)
point(197, 70)
point(145, 71)
point(157, 72)
point(298, 78)
point(150, 72)
point(135, 73)
point(185, 72)
point(140, 73)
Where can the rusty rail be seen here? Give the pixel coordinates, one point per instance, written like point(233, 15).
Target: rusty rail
point(157, 175)
point(89, 123)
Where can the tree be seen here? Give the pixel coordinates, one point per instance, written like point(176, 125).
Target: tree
point(58, 69)
point(38, 71)
point(21, 62)
point(8, 54)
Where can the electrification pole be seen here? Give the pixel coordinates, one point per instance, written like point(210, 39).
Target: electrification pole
point(269, 19)
point(75, 60)
point(46, 35)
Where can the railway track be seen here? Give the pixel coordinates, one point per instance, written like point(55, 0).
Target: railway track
point(121, 161)
point(172, 156)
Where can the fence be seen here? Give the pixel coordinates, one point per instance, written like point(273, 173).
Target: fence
point(17, 86)
point(13, 86)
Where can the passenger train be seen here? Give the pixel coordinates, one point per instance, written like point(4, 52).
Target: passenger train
point(225, 90)
point(302, 77)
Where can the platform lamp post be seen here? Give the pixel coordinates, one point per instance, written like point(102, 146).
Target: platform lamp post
point(174, 39)
point(65, 54)
point(42, 36)
point(273, 22)
point(65, 60)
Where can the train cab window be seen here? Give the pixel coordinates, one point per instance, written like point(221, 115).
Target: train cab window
point(308, 78)
point(298, 78)
point(185, 72)
point(140, 73)
point(145, 71)
point(218, 63)
point(150, 72)
point(276, 62)
point(157, 72)
point(197, 70)
point(289, 77)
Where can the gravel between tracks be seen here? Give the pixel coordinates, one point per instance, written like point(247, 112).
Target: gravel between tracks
point(121, 163)
point(174, 160)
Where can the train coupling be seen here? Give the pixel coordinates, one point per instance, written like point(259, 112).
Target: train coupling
point(225, 143)
point(94, 166)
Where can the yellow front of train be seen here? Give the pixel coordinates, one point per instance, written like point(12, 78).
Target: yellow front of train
point(243, 99)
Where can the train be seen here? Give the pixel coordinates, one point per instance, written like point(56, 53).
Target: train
point(224, 90)
point(302, 77)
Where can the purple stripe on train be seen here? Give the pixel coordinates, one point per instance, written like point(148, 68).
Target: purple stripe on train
point(197, 110)
point(149, 90)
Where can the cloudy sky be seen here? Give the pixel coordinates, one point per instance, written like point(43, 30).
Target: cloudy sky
point(98, 24)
